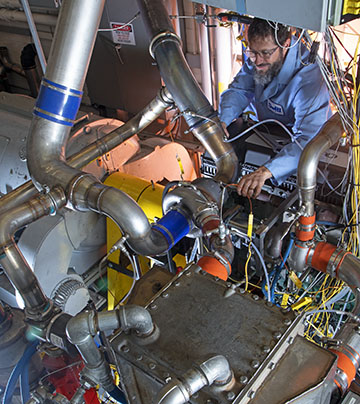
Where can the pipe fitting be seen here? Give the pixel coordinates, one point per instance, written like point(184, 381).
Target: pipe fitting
point(136, 318)
point(215, 370)
point(328, 135)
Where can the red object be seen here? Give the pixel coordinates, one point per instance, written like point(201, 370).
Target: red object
point(306, 228)
point(214, 267)
point(65, 374)
point(322, 254)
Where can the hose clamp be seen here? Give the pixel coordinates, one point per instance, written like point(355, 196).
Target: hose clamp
point(163, 36)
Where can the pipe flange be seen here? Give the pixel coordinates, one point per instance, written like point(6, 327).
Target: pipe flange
point(166, 97)
point(57, 198)
point(167, 35)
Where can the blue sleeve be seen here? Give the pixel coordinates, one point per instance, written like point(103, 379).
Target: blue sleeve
point(311, 106)
point(238, 96)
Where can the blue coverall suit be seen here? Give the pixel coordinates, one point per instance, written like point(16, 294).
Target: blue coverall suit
point(297, 97)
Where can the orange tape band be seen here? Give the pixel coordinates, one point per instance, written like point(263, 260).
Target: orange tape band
point(213, 266)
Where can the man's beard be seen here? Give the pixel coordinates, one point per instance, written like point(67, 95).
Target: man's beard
point(264, 79)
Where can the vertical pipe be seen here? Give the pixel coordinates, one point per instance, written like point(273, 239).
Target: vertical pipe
point(223, 58)
point(205, 62)
point(61, 92)
point(34, 34)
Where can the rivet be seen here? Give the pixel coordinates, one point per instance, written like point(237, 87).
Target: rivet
point(251, 394)
point(271, 365)
point(230, 395)
point(290, 340)
point(277, 334)
point(165, 295)
point(167, 379)
point(287, 321)
point(139, 358)
point(152, 365)
point(269, 304)
point(266, 349)
point(217, 279)
point(125, 348)
point(255, 364)
point(242, 290)
point(188, 274)
point(153, 306)
point(177, 283)
point(255, 297)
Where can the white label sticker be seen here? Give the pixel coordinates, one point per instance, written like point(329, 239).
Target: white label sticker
point(276, 108)
point(124, 34)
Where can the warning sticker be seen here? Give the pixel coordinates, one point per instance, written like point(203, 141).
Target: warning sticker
point(124, 34)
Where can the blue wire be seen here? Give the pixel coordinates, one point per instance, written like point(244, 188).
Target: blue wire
point(24, 384)
point(18, 369)
point(278, 270)
point(118, 395)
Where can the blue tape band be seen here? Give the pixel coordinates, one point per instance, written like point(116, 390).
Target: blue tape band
point(76, 92)
point(174, 226)
point(57, 103)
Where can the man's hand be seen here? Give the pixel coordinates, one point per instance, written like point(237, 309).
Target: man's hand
point(250, 185)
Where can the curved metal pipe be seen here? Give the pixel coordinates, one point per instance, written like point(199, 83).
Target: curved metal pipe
point(186, 92)
point(328, 135)
point(215, 370)
point(11, 259)
point(61, 92)
point(96, 149)
point(200, 199)
point(84, 326)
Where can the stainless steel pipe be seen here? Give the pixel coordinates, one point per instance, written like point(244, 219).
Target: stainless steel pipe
point(328, 135)
point(84, 326)
point(96, 149)
point(11, 259)
point(61, 92)
point(186, 92)
point(215, 370)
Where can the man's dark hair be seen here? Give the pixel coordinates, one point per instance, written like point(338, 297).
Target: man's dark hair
point(260, 28)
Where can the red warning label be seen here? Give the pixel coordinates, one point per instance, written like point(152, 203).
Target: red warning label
point(123, 33)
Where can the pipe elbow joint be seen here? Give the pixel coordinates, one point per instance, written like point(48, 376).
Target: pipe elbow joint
point(81, 328)
point(136, 318)
point(217, 370)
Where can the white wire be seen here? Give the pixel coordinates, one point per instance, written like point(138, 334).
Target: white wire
point(121, 27)
point(261, 260)
point(341, 317)
point(293, 139)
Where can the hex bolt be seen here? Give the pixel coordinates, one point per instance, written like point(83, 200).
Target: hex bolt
point(269, 304)
point(168, 379)
point(271, 365)
point(125, 348)
point(230, 395)
point(255, 297)
point(242, 290)
point(152, 365)
point(266, 349)
point(287, 321)
point(243, 379)
point(277, 334)
point(255, 364)
point(290, 340)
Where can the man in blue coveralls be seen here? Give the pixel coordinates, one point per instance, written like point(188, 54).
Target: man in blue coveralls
point(277, 82)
